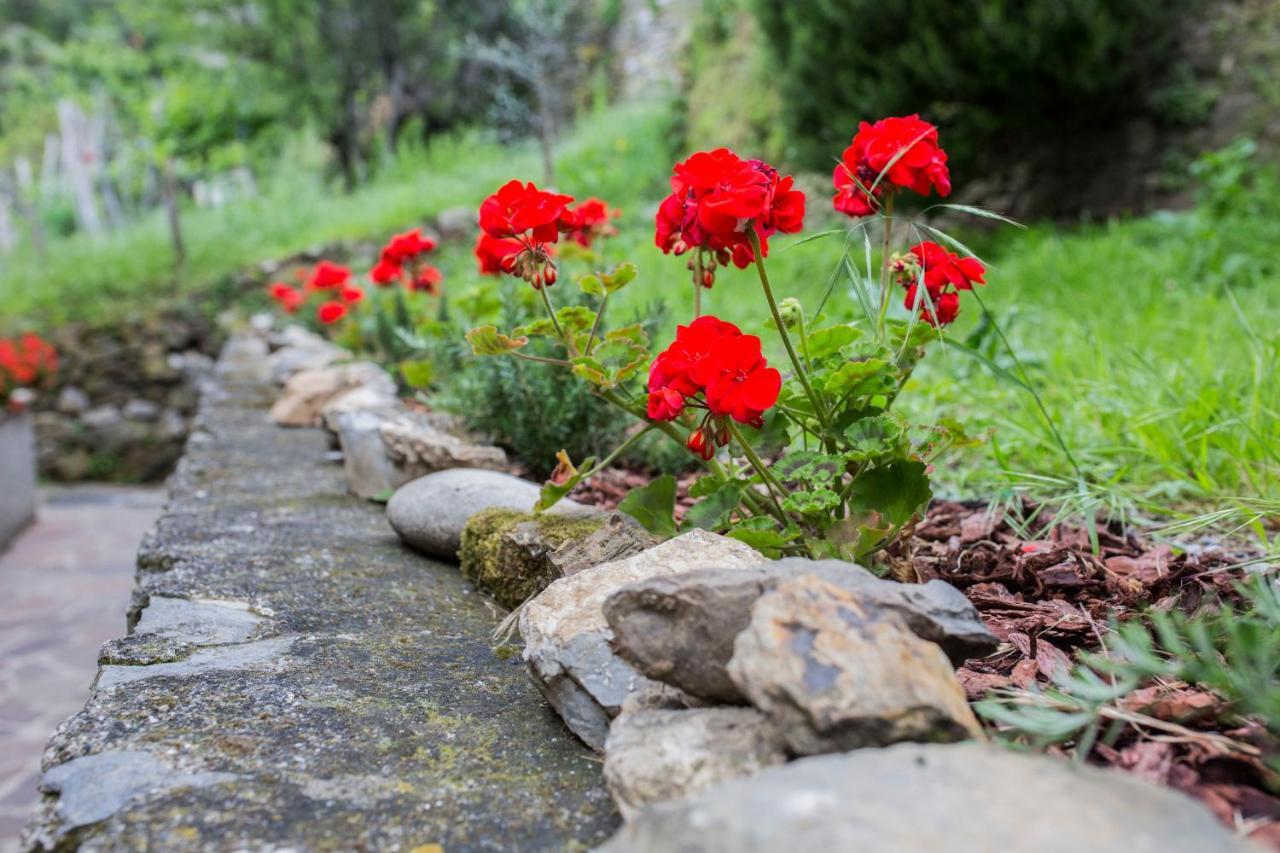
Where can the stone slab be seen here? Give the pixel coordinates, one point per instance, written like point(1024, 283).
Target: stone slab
point(17, 473)
point(322, 687)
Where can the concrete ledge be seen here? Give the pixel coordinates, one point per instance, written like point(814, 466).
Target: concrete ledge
point(296, 678)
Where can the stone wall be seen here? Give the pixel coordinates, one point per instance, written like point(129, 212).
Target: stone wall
point(296, 678)
point(17, 475)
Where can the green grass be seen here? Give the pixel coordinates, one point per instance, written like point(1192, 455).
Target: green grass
point(1153, 342)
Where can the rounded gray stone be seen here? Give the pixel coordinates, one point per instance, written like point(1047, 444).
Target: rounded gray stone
point(430, 512)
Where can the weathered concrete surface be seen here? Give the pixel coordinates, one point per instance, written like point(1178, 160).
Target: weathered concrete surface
point(360, 708)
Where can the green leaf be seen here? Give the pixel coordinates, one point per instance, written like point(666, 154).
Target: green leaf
point(860, 379)
point(619, 277)
point(762, 533)
point(419, 373)
point(773, 437)
point(829, 340)
point(991, 365)
point(654, 506)
point(896, 491)
point(615, 360)
point(804, 468)
point(873, 437)
point(591, 285)
point(562, 481)
point(573, 319)
point(713, 511)
point(811, 502)
point(487, 340)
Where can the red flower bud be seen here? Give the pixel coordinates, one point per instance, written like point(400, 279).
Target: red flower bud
point(698, 444)
point(549, 275)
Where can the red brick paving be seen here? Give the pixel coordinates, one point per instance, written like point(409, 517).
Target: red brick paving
point(64, 587)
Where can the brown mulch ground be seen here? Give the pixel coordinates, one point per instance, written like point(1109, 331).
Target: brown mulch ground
point(1048, 599)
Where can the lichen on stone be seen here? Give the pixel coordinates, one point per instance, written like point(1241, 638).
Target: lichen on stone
point(506, 553)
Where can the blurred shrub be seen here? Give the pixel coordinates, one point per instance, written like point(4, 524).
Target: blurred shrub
point(1000, 75)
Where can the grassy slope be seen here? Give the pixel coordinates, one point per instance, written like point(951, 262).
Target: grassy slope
point(1153, 342)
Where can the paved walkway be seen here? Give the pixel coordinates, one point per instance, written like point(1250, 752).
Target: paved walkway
point(64, 588)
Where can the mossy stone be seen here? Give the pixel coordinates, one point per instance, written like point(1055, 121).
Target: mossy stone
point(506, 553)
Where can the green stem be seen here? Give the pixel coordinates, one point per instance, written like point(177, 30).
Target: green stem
point(617, 451)
point(559, 362)
point(775, 488)
point(814, 400)
point(697, 283)
point(595, 327)
point(884, 265)
point(546, 300)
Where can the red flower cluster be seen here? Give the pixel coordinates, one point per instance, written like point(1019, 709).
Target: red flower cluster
point(589, 220)
point(715, 197)
point(521, 224)
point(712, 358)
point(327, 275)
point(329, 313)
point(25, 361)
point(945, 274)
point(401, 260)
point(921, 167)
point(289, 298)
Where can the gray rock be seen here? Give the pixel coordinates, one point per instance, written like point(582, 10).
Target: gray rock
point(72, 401)
point(418, 447)
point(658, 755)
point(379, 398)
point(288, 360)
point(140, 410)
point(618, 537)
point(245, 357)
point(259, 656)
point(961, 798)
point(93, 788)
point(837, 675)
point(205, 622)
point(172, 425)
point(368, 471)
point(681, 629)
point(455, 223)
point(430, 512)
point(307, 391)
point(101, 418)
point(567, 641)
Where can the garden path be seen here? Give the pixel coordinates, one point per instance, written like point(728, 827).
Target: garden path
point(65, 585)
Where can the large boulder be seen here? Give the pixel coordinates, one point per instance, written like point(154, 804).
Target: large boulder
point(507, 553)
point(681, 629)
point(961, 798)
point(430, 512)
point(307, 392)
point(837, 675)
point(656, 755)
point(567, 641)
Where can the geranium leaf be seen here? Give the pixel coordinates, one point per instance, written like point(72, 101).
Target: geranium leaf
point(829, 340)
point(419, 373)
point(872, 437)
point(487, 340)
point(896, 491)
point(619, 277)
point(713, 511)
point(803, 468)
point(653, 506)
point(591, 285)
point(811, 502)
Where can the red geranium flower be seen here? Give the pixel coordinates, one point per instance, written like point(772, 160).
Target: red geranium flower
point(328, 274)
point(490, 252)
point(402, 248)
point(385, 273)
point(518, 209)
point(739, 382)
point(676, 365)
point(942, 267)
point(289, 298)
point(715, 197)
point(351, 294)
point(589, 220)
point(428, 280)
point(922, 166)
point(331, 312)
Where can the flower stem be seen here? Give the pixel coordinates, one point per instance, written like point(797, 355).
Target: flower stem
point(559, 362)
point(617, 451)
point(546, 300)
point(775, 488)
point(595, 327)
point(697, 283)
point(801, 374)
point(884, 264)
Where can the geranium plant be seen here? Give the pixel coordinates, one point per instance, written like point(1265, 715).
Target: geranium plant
point(802, 456)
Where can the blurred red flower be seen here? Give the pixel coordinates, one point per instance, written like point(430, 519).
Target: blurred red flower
point(328, 274)
point(905, 149)
point(331, 312)
point(518, 209)
point(490, 252)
